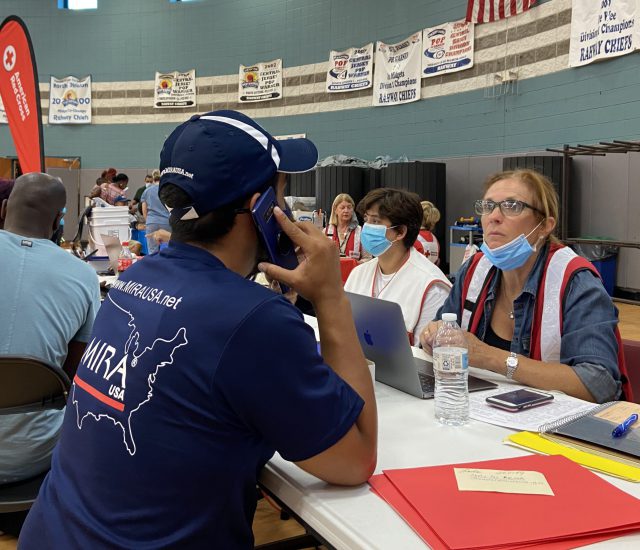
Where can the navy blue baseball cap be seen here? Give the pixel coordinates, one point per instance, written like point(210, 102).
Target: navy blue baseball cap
point(222, 156)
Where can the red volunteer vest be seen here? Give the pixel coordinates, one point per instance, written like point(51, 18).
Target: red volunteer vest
point(546, 330)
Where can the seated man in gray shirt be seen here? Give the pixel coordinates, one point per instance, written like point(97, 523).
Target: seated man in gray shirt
point(48, 301)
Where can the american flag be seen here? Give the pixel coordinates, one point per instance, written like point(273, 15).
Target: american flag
point(484, 11)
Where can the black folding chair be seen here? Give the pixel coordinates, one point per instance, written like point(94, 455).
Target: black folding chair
point(28, 385)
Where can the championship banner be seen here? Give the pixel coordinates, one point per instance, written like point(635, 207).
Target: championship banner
point(602, 30)
point(70, 100)
point(175, 89)
point(350, 70)
point(20, 94)
point(447, 48)
point(397, 74)
point(260, 82)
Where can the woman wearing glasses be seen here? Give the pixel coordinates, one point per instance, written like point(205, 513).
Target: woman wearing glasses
point(398, 273)
point(535, 311)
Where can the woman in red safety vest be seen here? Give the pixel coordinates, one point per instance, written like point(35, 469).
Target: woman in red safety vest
point(429, 242)
point(534, 310)
point(343, 228)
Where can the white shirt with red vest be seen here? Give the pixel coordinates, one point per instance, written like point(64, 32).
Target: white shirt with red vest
point(561, 265)
point(430, 245)
point(419, 287)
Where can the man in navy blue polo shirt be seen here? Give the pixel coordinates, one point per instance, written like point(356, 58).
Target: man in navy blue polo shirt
point(194, 375)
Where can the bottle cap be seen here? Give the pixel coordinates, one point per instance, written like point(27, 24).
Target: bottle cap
point(125, 243)
point(451, 317)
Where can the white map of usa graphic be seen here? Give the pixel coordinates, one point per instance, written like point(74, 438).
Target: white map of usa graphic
point(151, 359)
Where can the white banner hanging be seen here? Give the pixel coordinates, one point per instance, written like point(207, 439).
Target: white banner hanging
point(70, 100)
point(602, 29)
point(260, 82)
point(350, 69)
point(447, 48)
point(175, 89)
point(397, 73)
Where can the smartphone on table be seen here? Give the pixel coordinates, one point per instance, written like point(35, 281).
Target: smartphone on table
point(279, 247)
point(518, 400)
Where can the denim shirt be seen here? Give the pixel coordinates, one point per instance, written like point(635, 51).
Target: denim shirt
point(589, 321)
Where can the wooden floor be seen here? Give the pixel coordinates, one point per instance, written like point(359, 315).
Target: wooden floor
point(267, 525)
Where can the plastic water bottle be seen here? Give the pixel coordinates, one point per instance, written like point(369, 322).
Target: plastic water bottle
point(126, 258)
point(451, 370)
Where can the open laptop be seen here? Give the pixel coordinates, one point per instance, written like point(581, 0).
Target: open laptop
point(383, 337)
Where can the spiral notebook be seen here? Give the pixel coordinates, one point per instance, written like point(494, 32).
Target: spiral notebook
point(591, 432)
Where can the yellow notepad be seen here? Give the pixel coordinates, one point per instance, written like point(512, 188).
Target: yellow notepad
point(535, 442)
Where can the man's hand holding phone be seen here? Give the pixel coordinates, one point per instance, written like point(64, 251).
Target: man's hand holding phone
point(317, 276)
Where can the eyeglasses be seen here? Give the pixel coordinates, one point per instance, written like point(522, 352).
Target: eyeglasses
point(508, 207)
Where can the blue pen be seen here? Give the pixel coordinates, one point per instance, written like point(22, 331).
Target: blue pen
point(623, 428)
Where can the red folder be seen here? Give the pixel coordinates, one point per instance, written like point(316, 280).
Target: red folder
point(585, 509)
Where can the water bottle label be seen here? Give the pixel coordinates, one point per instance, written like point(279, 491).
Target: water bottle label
point(450, 359)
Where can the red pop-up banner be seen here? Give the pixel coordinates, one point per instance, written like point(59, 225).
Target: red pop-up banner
point(21, 94)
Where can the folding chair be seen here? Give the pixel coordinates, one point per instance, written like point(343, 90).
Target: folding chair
point(28, 385)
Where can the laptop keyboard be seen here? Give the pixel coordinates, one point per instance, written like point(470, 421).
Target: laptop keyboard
point(427, 382)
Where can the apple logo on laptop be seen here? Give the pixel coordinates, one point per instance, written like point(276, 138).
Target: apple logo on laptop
point(367, 338)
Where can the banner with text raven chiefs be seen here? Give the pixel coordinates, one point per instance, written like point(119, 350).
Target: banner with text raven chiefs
point(70, 100)
point(350, 70)
point(20, 94)
point(397, 73)
point(603, 29)
point(447, 48)
point(260, 82)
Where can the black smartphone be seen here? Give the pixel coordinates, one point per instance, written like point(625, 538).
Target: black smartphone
point(518, 400)
point(279, 247)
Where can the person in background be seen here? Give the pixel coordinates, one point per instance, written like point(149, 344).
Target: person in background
point(136, 204)
point(48, 300)
point(156, 215)
point(124, 201)
point(111, 191)
point(399, 273)
point(6, 185)
point(534, 310)
point(96, 190)
point(429, 242)
point(108, 174)
point(344, 230)
point(204, 410)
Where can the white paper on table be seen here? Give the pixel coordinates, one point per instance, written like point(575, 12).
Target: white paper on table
point(527, 419)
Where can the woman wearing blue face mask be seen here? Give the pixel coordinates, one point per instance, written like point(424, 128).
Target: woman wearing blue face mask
point(398, 273)
point(535, 311)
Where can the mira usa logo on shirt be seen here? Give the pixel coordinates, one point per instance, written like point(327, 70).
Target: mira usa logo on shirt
point(101, 390)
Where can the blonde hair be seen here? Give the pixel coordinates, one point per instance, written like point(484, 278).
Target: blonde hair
point(545, 197)
point(342, 197)
point(155, 175)
point(430, 215)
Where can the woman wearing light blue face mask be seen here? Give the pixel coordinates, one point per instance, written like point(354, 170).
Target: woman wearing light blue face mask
point(535, 311)
point(398, 273)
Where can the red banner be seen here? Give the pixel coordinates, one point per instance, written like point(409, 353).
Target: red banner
point(20, 93)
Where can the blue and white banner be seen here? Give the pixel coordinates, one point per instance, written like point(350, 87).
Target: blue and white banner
point(260, 82)
point(447, 48)
point(397, 73)
point(70, 100)
point(175, 89)
point(602, 29)
point(350, 70)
